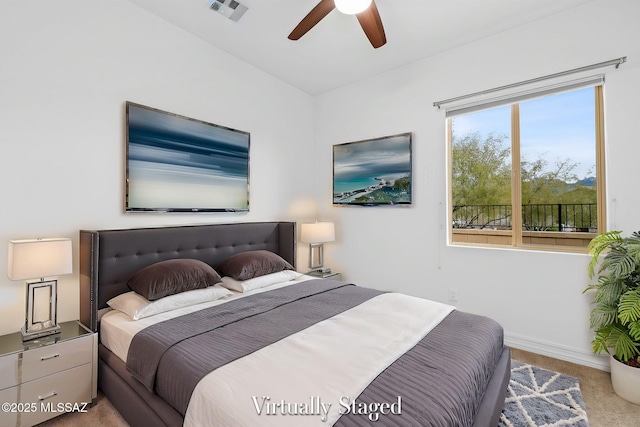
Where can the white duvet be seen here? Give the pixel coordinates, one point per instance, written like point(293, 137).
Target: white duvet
point(309, 378)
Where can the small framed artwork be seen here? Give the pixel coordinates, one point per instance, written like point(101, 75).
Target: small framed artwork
point(373, 172)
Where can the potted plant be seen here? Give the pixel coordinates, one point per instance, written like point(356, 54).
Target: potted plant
point(615, 316)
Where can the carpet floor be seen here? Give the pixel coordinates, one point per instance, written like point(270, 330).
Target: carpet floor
point(604, 408)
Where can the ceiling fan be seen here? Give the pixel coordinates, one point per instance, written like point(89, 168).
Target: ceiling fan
point(365, 10)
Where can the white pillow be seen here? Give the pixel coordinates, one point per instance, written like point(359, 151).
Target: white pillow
point(138, 307)
point(259, 282)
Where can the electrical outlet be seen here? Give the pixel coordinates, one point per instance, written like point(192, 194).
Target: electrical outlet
point(453, 294)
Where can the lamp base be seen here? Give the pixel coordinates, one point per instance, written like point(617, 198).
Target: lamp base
point(41, 319)
point(320, 270)
point(35, 333)
point(316, 258)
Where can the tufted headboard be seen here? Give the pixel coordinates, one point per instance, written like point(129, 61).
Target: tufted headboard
point(108, 258)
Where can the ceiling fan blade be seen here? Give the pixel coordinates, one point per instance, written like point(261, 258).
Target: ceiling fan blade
point(321, 10)
point(372, 25)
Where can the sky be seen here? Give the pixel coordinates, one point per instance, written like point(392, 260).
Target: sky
point(379, 157)
point(557, 127)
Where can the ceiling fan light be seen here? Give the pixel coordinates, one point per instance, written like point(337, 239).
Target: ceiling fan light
point(352, 7)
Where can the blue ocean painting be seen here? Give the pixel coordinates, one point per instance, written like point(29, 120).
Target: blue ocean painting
point(179, 164)
point(373, 172)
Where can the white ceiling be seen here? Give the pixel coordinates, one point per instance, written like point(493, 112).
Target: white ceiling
point(336, 52)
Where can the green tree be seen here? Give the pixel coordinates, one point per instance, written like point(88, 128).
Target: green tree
point(481, 176)
point(481, 171)
point(580, 194)
point(540, 184)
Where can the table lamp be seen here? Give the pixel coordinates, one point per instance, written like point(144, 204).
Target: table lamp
point(40, 258)
point(316, 234)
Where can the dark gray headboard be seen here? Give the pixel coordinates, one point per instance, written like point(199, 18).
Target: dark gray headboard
point(108, 258)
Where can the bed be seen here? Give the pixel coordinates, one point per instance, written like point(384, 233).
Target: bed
point(284, 356)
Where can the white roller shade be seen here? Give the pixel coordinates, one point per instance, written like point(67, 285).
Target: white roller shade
point(512, 96)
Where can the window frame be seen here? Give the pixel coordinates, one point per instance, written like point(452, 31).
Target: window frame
point(516, 233)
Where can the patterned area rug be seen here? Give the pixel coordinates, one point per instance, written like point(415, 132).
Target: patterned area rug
point(537, 397)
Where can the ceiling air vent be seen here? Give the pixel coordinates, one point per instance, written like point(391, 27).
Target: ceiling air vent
point(229, 8)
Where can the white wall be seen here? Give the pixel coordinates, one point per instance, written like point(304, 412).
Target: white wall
point(536, 296)
point(66, 69)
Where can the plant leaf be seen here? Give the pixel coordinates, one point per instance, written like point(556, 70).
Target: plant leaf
point(603, 316)
point(599, 343)
point(600, 243)
point(615, 317)
point(634, 330)
point(618, 263)
point(622, 344)
point(632, 244)
point(629, 307)
point(608, 291)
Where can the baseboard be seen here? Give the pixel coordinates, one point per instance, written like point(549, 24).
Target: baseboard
point(568, 354)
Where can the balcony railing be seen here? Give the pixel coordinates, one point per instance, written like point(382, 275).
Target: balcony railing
point(565, 217)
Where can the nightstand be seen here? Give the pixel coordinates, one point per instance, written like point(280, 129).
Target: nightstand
point(333, 275)
point(44, 378)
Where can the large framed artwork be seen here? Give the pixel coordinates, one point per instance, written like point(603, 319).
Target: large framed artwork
point(373, 172)
point(179, 164)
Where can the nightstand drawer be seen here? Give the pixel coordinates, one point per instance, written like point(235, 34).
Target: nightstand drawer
point(48, 397)
point(10, 371)
point(21, 367)
point(54, 358)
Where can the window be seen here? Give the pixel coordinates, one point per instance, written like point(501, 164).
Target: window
point(528, 173)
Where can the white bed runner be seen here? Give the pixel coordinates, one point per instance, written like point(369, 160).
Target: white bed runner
point(309, 378)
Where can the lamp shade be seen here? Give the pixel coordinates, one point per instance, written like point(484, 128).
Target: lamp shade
point(352, 7)
point(29, 259)
point(318, 232)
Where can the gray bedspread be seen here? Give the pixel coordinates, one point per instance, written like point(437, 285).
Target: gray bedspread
point(441, 380)
point(213, 337)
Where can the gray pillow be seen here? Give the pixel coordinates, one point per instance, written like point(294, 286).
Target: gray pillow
point(172, 277)
point(247, 265)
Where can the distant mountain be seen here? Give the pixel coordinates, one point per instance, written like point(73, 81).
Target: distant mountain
point(587, 182)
